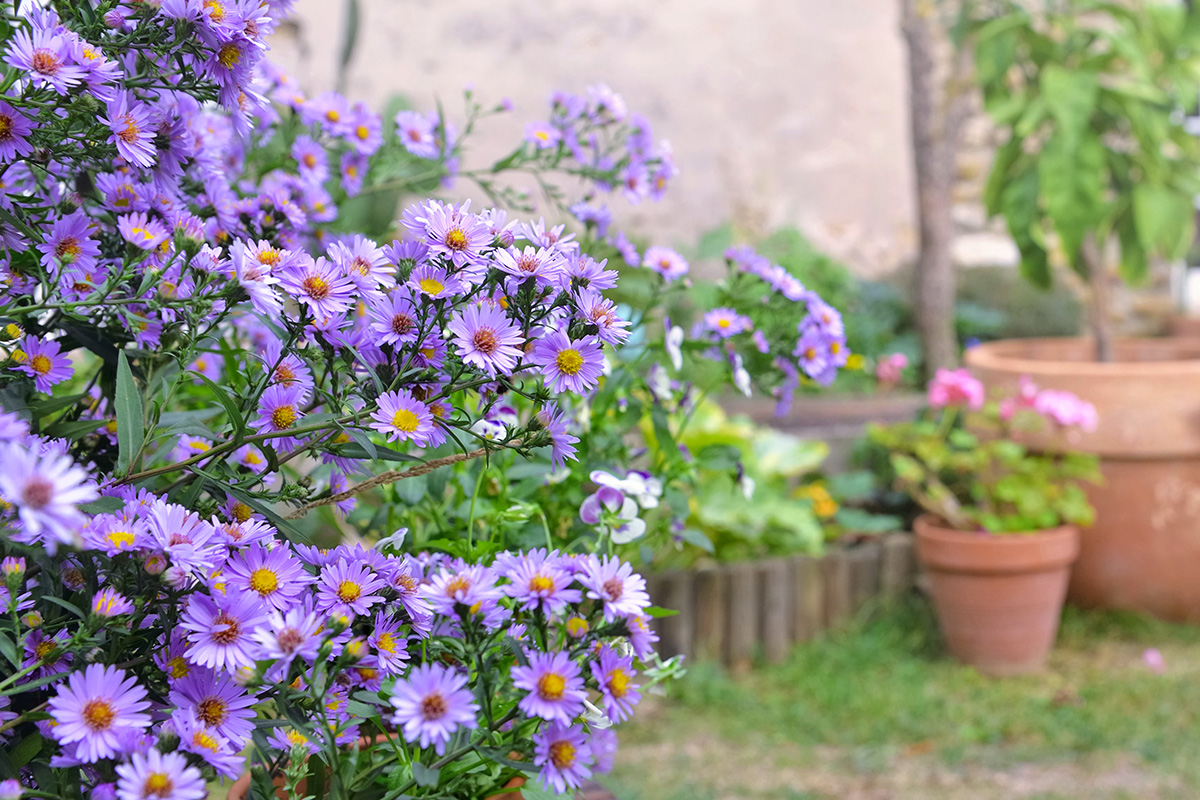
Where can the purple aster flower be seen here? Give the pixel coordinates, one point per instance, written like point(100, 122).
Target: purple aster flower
point(395, 317)
point(348, 588)
point(310, 160)
point(725, 322)
point(199, 739)
point(826, 317)
point(288, 635)
point(539, 581)
point(161, 776)
point(417, 133)
point(189, 543)
point(10, 788)
point(555, 687)
point(542, 135)
point(15, 128)
point(431, 703)
point(486, 338)
point(541, 264)
point(604, 749)
point(46, 490)
point(108, 602)
point(562, 444)
point(665, 262)
point(144, 233)
point(391, 647)
point(222, 630)
point(613, 582)
point(70, 244)
point(44, 56)
point(319, 285)
point(47, 651)
point(275, 576)
point(598, 310)
point(363, 262)
point(353, 170)
point(402, 417)
point(287, 738)
point(43, 361)
point(279, 410)
point(216, 701)
point(598, 217)
point(564, 755)
point(573, 366)
point(132, 133)
point(813, 356)
point(456, 233)
point(471, 586)
point(614, 675)
point(95, 708)
point(364, 129)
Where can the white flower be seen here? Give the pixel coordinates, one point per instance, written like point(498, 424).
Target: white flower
point(673, 345)
point(741, 378)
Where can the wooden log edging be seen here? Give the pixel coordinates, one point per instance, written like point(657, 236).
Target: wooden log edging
point(736, 613)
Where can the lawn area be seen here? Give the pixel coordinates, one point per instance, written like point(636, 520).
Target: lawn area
point(879, 711)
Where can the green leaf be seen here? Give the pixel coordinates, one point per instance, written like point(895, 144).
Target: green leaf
point(131, 417)
point(355, 450)
point(76, 429)
point(103, 505)
point(364, 442)
point(1070, 96)
point(697, 538)
point(654, 612)
point(1164, 218)
point(1071, 176)
point(42, 408)
point(231, 408)
point(58, 601)
point(533, 790)
point(425, 776)
point(28, 747)
point(9, 651)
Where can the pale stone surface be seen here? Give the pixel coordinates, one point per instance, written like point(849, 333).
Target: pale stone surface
point(985, 250)
point(779, 112)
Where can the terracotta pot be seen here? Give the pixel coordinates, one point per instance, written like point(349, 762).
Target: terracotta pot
point(1142, 551)
point(998, 597)
point(1184, 325)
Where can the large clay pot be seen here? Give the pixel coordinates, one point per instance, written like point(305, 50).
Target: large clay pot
point(998, 596)
point(1142, 552)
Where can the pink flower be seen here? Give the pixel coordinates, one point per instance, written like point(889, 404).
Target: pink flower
point(890, 368)
point(1153, 659)
point(957, 387)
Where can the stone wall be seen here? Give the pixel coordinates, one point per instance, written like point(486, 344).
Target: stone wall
point(781, 112)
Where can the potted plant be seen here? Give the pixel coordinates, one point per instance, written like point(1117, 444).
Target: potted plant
point(1098, 169)
point(1000, 529)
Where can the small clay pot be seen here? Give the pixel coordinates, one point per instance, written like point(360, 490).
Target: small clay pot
point(998, 596)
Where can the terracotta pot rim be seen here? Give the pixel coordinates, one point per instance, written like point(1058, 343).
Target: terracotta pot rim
point(941, 548)
point(1018, 356)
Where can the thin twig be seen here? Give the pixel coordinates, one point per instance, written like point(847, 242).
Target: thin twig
point(391, 476)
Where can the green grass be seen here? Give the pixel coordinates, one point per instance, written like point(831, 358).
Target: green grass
point(883, 690)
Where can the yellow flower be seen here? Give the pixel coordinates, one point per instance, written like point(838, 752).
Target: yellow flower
point(855, 361)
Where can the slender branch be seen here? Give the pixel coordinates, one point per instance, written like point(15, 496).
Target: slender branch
point(391, 476)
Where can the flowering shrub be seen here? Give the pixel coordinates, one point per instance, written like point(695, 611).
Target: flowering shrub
point(199, 350)
point(963, 464)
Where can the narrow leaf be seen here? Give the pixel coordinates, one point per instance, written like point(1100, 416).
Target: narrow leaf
point(231, 408)
point(131, 430)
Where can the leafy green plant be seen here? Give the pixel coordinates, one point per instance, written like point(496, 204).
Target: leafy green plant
point(964, 462)
point(1097, 159)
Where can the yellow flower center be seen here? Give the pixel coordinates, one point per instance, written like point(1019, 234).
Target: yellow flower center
point(405, 420)
point(212, 711)
point(240, 511)
point(98, 715)
point(179, 667)
point(540, 583)
point(158, 784)
point(349, 591)
point(432, 286)
point(456, 239)
point(562, 754)
point(40, 364)
point(263, 581)
point(120, 540)
point(569, 361)
point(618, 683)
point(229, 56)
point(315, 287)
point(550, 686)
point(362, 132)
point(216, 10)
point(205, 740)
point(386, 642)
point(68, 249)
point(6, 126)
point(283, 417)
point(129, 133)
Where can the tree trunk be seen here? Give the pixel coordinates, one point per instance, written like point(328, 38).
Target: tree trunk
point(935, 138)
